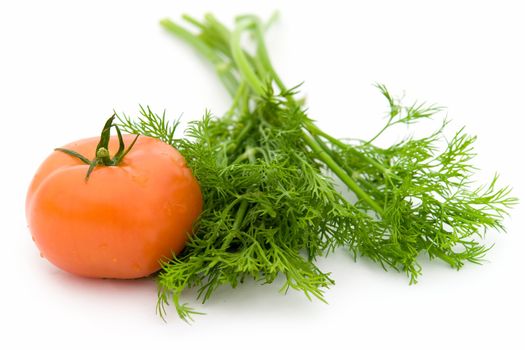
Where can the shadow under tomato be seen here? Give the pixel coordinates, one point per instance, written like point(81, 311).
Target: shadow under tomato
point(107, 288)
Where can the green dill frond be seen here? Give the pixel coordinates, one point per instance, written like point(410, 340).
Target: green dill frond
point(268, 210)
point(150, 124)
point(267, 174)
point(428, 200)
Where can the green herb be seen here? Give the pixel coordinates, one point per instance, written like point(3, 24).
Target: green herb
point(268, 178)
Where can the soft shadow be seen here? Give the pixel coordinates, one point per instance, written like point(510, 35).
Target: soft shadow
point(96, 285)
point(252, 298)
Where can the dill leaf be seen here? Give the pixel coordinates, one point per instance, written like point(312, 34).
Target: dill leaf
point(267, 173)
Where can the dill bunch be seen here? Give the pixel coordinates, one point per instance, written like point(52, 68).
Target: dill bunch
point(267, 172)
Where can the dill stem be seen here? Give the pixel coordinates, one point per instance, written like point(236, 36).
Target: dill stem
point(251, 77)
point(239, 217)
point(387, 125)
point(241, 60)
point(338, 160)
point(236, 100)
point(264, 57)
point(317, 145)
point(193, 21)
point(340, 173)
point(218, 26)
point(314, 130)
point(245, 68)
point(333, 154)
point(225, 75)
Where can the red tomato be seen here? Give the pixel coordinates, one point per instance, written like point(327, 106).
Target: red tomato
point(123, 219)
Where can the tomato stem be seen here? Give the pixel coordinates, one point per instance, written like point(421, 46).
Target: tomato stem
point(102, 154)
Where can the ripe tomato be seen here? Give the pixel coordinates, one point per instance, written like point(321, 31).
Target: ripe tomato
point(123, 219)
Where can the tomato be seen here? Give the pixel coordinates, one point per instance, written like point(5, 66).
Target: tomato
point(121, 220)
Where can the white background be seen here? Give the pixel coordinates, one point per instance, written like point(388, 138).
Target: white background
point(65, 65)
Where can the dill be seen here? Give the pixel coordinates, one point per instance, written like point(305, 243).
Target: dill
point(271, 206)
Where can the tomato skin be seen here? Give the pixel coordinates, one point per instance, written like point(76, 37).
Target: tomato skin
point(120, 222)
